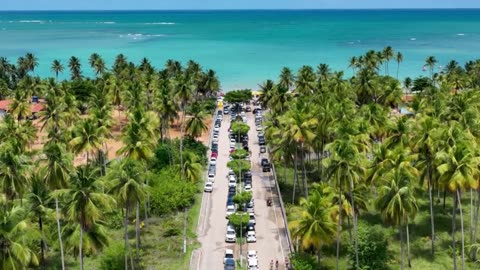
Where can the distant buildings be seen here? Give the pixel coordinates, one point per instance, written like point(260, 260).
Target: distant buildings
point(36, 106)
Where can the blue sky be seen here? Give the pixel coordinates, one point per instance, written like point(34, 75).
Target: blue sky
point(230, 4)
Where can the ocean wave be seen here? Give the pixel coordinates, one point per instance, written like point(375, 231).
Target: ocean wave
point(140, 36)
point(27, 21)
point(460, 34)
point(105, 22)
point(161, 23)
point(413, 39)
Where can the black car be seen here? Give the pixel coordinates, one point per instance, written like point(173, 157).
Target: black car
point(250, 227)
point(232, 191)
point(261, 142)
point(263, 149)
point(265, 165)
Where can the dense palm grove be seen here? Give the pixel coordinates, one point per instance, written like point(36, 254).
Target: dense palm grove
point(53, 210)
point(363, 181)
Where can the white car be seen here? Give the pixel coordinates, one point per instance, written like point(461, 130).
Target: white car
point(259, 128)
point(251, 237)
point(248, 188)
point(252, 219)
point(233, 143)
point(232, 182)
point(213, 161)
point(220, 116)
point(252, 254)
point(252, 264)
point(244, 119)
point(211, 177)
point(230, 210)
point(217, 129)
point(215, 138)
point(232, 177)
point(231, 235)
point(208, 187)
point(228, 255)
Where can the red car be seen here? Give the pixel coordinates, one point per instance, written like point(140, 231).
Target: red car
point(214, 154)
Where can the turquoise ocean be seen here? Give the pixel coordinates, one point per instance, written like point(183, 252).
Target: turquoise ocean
point(244, 47)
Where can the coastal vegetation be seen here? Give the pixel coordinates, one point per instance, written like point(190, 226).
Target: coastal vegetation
point(66, 200)
point(378, 173)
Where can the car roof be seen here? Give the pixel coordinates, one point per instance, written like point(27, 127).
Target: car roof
point(228, 251)
point(252, 252)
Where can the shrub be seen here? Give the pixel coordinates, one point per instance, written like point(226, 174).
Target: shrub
point(168, 193)
point(240, 128)
point(237, 165)
point(242, 198)
point(303, 261)
point(239, 154)
point(239, 218)
point(113, 257)
point(372, 248)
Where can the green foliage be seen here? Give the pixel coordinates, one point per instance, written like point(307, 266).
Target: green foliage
point(238, 96)
point(421, 83)
point(239, 165)
point(163, 156)
point(239, 218)
point(303, 261)
point(242, 198)
point(240, 128)
point(239, 154)
point(168, 193)
point(372, 248)
point(113, 257)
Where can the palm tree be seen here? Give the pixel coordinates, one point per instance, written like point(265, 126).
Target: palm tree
point(165, 106)
point(192, 167)
point(14, 230)
point(424, 146)
point(397, 203)
point(344, 168)
point(286, 78)
point(87, 137)
point(126, 179)
point(75, 68)
point(353, 63)
point(387, 54)
point(458, 169)
point(312, 222)
point(86, 201)
point(210, 84)
point(58, 165)
point(305, 83)
point(195, 124)
point(31, 62)
point(430, 62)
point(38, 203)
point(57, 68)
point(399, 58)
point(14, 168)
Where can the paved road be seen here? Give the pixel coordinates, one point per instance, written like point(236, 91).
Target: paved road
point(271, 241)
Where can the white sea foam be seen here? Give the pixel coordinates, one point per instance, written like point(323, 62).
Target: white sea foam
point(27, 21)
point(460, 34)
point(140, 36)
point(105, 22)
point(161, 23)
point(413, 39)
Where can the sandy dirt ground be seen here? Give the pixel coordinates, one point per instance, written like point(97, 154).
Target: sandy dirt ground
point(115, 143)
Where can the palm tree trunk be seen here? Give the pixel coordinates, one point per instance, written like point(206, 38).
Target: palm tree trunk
point(137, 233)
point(305, 181)
point(80, 248)
point(181, 142)
point(318, 257)
point(354, 217)
point(43, 242)
point(432, 221)
point(454, 250)
point(459, 195)
point(477, 206)
point(408, 247)
point(471, 217)
point(339, 225)
point(401, 247)
point(59, 233)
point(295, 176)
point(126, 236)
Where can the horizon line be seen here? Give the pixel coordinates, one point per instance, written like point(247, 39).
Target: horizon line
point(256, 9)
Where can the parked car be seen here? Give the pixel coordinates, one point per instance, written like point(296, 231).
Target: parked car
point(230, 264)
point(228, 255)
point(231, 235)
point(265, 165)
point(252, 264)
point(248, 109)
point(230, 210)
point(252, 254)
point(252, 219)
point(232, 182)
point(211, 176)
point(248, 188)
point(250, 227)
point(208, 187)
point(263, 149)
point(251, 237)
point(232, 190)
